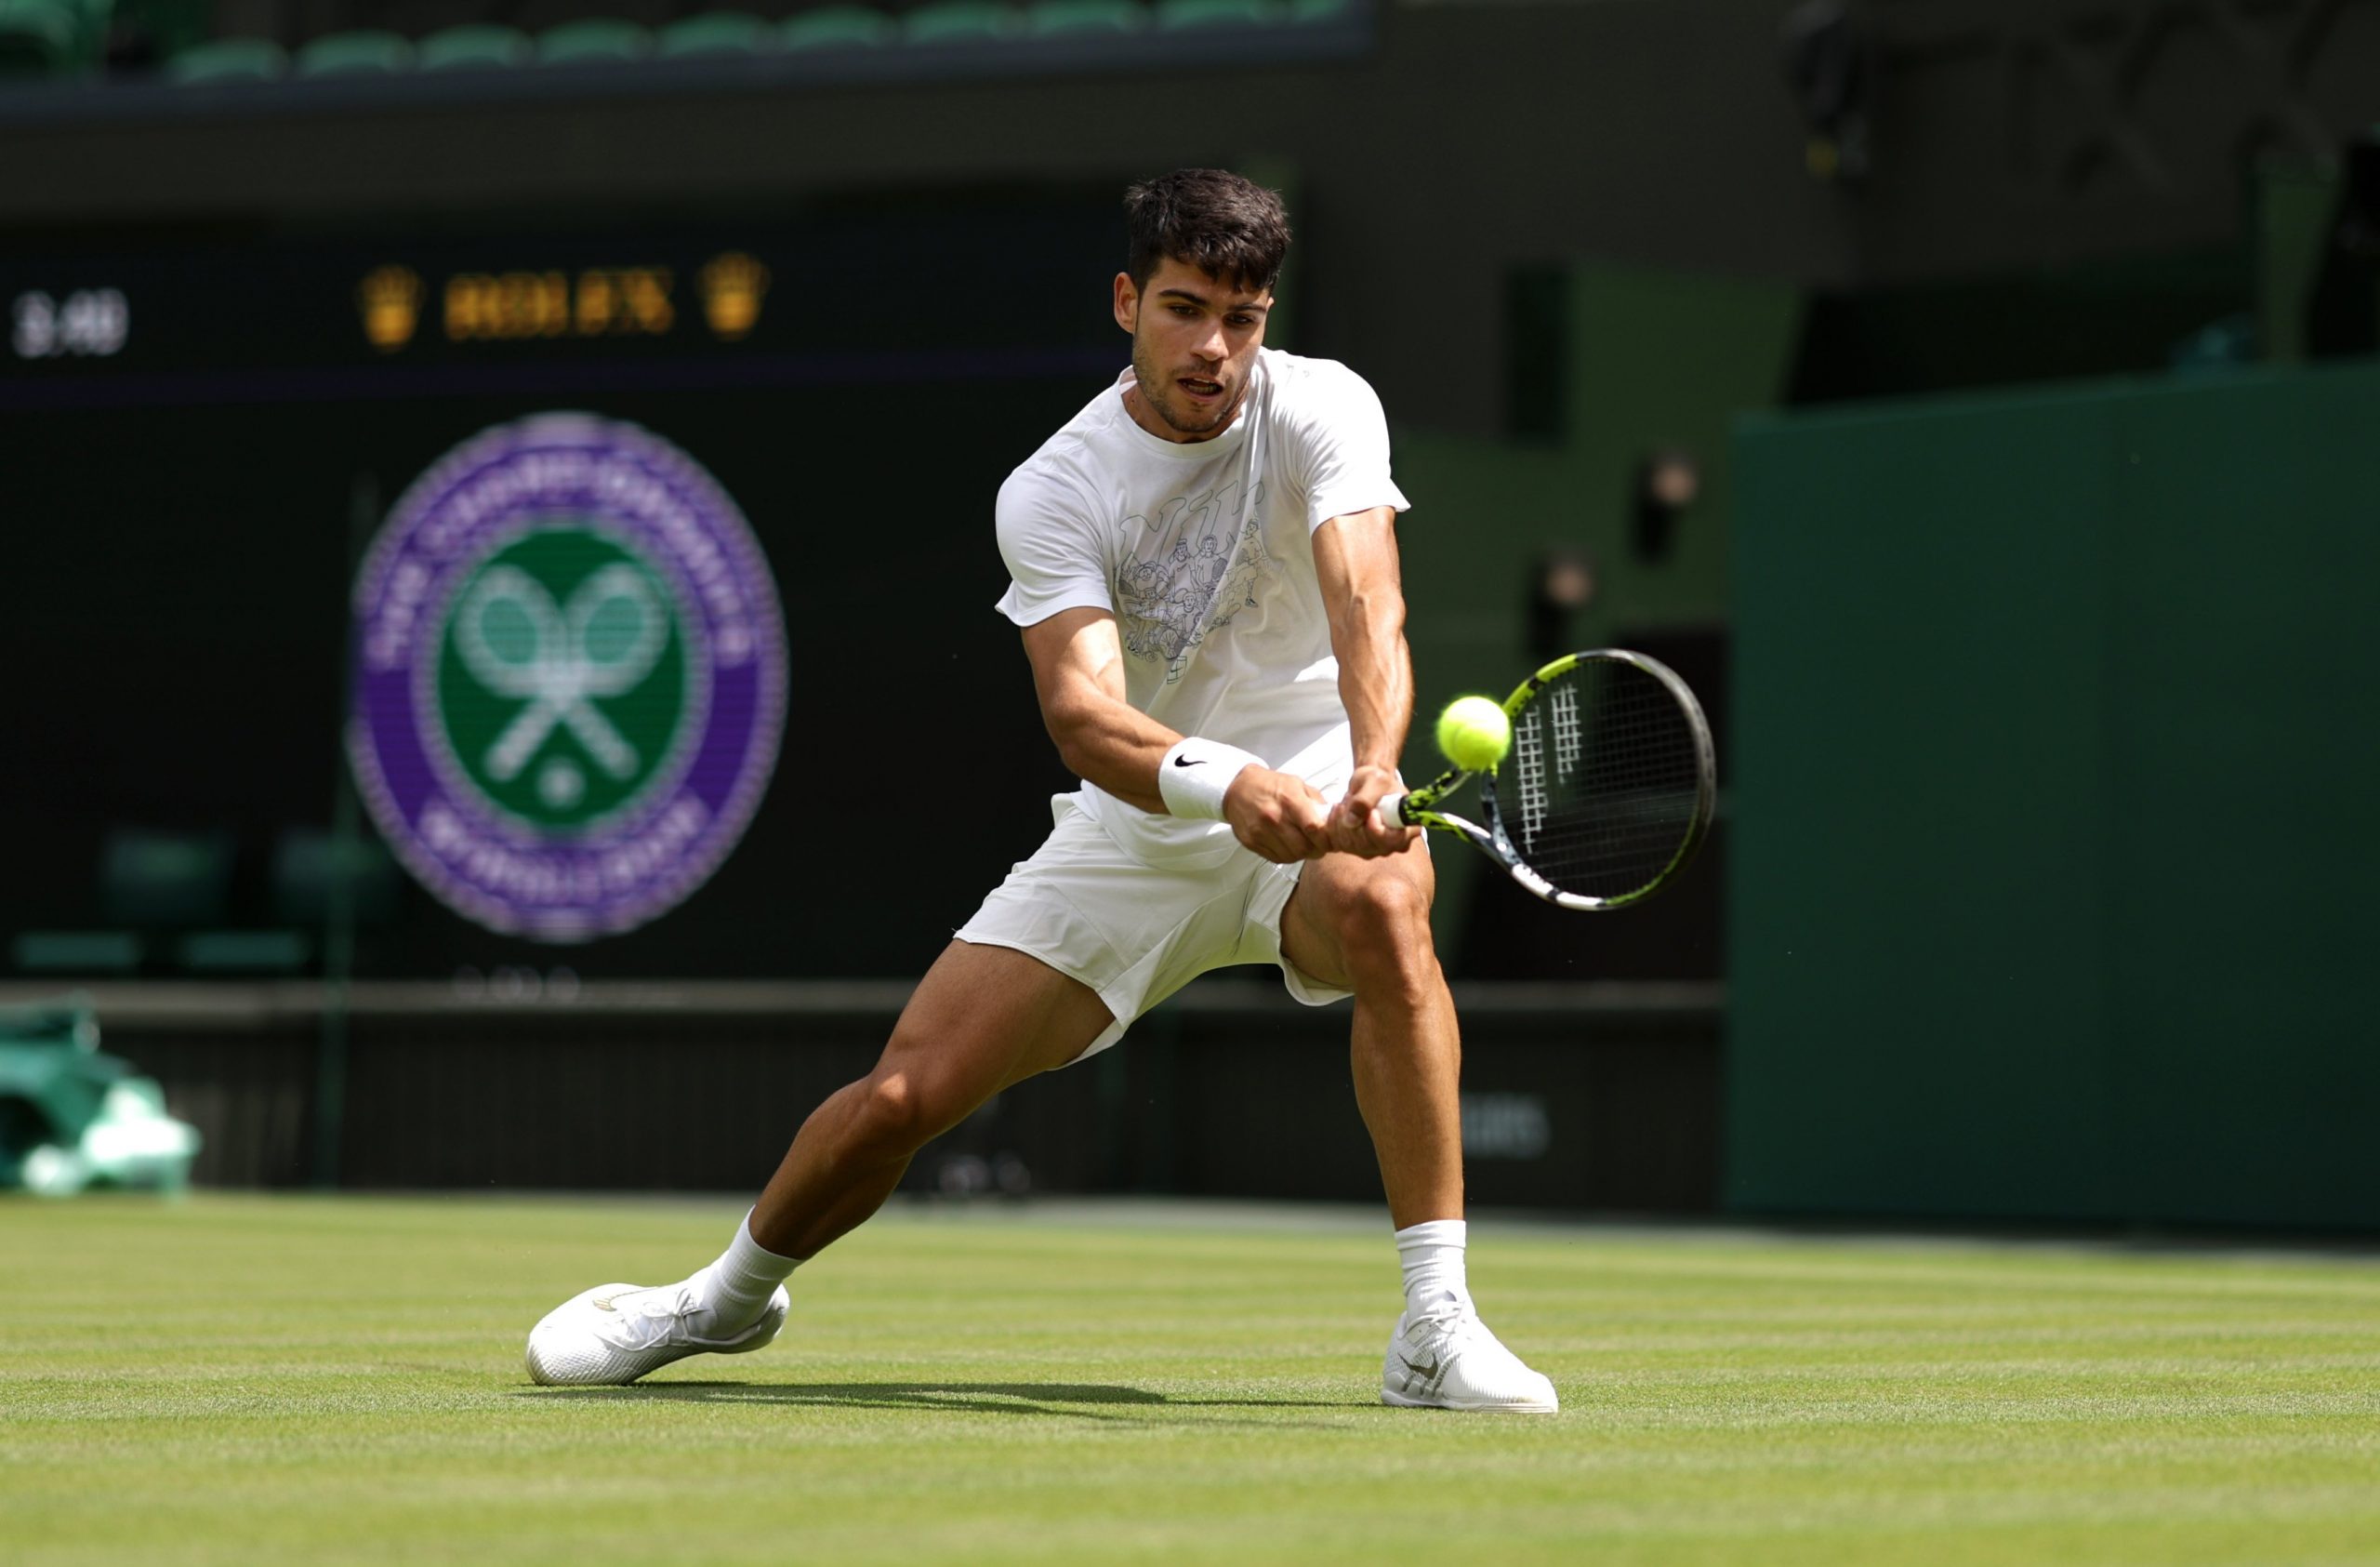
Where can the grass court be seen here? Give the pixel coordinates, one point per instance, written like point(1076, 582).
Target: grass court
point(259, 1380)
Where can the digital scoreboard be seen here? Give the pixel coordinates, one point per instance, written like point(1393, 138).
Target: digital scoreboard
point(90, 322)
point(921, 289)
point(202, 434)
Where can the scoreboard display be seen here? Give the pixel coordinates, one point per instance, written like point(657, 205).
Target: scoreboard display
point(207, 434)
point(878, 290)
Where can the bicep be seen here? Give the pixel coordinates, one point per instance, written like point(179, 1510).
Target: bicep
point(1355, 564)
point(1077, 657)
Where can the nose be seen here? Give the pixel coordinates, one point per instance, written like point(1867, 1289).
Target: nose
point(1213, 345)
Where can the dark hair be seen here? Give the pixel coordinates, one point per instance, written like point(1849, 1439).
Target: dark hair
point(1231, 228)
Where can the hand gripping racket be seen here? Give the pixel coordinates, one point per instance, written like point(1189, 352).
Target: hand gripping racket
point(1606, 791)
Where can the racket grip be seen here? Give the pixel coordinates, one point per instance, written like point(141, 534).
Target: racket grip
point(1392, 808)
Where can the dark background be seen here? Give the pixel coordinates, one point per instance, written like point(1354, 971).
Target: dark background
point(2009, 914)
point(863, 428)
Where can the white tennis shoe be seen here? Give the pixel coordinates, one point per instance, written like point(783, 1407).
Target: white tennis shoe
point(1450, 1360)
point(614, 1334)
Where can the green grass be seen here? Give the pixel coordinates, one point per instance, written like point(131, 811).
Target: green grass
point(261, 1381)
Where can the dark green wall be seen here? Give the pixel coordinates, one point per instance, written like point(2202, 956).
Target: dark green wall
point(2053, 850)
point(1646, 359)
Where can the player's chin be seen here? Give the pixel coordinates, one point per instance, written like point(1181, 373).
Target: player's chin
point(1196, 415)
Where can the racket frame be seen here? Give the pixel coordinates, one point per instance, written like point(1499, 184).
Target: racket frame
point(1420, 807)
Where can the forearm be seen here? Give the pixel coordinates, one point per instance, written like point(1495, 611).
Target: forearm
point(1078, 670)
point(1112, 744)
point(1375, 675)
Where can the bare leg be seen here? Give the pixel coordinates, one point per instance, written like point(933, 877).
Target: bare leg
point(983, 1018)
point(1365, 925)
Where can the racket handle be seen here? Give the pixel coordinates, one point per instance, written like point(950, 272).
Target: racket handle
point(1392, 809)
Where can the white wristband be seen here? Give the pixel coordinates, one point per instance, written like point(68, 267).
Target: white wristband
point(1196, 774)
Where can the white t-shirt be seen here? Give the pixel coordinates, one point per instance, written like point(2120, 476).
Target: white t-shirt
point(1204, 552)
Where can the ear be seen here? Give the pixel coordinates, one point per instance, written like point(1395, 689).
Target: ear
point(1128, 303)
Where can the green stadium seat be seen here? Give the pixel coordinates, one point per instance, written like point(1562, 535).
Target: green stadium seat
point(244, 951)
point(77, 951)
point(314, 873)
point(230, 60)
point(963, 22)
point(88, 21)
point(838, 27)
point(1303, 12)
point(716, 33)
point(149, 879)
point(598, 42)
point(39, 38)
point(1175, 15)
point(362, 53)
point(1052, 19)
point(474, 47)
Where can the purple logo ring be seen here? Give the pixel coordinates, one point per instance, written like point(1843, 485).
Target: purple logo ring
point(570, 678)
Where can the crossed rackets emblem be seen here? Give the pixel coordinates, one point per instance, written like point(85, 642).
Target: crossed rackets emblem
point(519, 642)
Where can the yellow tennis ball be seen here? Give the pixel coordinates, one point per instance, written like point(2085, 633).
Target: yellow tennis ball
point(1474, 734)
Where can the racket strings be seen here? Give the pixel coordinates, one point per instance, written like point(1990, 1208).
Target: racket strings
point(1603, 779)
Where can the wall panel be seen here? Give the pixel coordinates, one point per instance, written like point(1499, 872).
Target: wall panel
point(2052, 714)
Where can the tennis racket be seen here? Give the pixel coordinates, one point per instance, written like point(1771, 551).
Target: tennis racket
point(1606, 791)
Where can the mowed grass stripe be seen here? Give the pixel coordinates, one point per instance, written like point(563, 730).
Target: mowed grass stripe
point(311, 1379)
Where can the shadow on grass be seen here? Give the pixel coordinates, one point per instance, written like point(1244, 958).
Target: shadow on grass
point(1059, 1400)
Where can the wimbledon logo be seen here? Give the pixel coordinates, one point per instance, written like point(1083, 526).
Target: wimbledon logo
point(571, 677)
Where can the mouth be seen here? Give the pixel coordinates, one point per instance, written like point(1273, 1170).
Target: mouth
point(1203, 389)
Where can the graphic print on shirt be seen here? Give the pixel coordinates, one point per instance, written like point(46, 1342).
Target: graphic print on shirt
point(1206, 558)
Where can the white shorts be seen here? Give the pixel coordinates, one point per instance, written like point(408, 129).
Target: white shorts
point(1136, 933)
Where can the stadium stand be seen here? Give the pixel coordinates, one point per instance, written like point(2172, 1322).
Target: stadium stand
point(959, 22)
point(192, 42)
point(539, 17)
point(1173, 15)
point(149, 884)
point(372, 53)
point(838, 27)
point(715, 33)
point(164, 879)
point(229, 60)
point(594, 41)
point(39, 38)
point(1065, 17)
point(474, 47)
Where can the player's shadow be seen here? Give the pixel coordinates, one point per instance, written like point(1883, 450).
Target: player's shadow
point(1074, 1401)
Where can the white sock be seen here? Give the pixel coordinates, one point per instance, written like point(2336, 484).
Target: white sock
point(735, 1288)
point(1431, 1253)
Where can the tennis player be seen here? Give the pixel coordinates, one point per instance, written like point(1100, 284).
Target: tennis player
point(1205, 572)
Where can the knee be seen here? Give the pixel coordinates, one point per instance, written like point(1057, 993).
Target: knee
point(899, 1112)
point(1384, 933)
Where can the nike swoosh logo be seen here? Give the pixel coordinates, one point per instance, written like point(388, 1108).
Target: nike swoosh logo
point(1425, 1372)
point(1189, 762)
